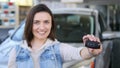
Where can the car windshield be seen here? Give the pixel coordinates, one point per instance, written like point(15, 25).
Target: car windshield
point(72, 27)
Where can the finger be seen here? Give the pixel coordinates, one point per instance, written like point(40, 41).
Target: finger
point(92, 37)
point(85, 37)
point(88, 36)
point(97, 39)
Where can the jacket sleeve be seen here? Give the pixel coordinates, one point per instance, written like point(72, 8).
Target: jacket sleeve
point(70, 53)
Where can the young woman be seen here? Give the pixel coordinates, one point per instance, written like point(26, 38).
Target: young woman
point(40, 49)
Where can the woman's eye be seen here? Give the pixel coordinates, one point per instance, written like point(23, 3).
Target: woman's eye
point(36, 22)
point(46, 22)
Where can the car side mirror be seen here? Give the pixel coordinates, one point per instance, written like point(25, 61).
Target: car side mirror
point(109, 35)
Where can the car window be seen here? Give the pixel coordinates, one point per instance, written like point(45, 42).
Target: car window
point(102, 23)
point(72, 27)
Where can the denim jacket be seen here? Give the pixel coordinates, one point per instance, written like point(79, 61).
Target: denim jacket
point(50, 58)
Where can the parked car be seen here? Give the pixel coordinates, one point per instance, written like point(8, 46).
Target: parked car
point(71, 25)
point(15, 37)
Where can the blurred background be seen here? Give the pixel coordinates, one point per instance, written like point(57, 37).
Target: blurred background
point(109, 9)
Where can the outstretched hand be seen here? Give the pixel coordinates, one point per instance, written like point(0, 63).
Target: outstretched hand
point(92, 51)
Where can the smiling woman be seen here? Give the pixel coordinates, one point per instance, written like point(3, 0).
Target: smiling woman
point(41, 25)
point(40, 48)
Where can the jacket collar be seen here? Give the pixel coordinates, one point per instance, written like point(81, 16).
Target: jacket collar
point(48, 43)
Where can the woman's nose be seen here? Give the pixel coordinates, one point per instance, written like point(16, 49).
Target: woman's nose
point(41, 26)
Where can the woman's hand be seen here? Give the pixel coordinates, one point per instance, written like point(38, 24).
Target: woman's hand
point(90, 52)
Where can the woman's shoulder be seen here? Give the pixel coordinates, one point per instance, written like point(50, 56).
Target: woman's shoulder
point(18, 46)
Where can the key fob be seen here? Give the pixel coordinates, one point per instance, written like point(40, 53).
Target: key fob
point(92, 44)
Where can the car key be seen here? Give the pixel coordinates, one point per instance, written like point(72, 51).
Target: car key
point(92, 44)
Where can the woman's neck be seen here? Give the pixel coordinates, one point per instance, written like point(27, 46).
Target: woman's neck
point(37, 43)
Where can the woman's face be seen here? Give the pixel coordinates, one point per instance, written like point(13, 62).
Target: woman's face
point(42, 24)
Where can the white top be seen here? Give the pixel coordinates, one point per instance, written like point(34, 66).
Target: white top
point(68, 53)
